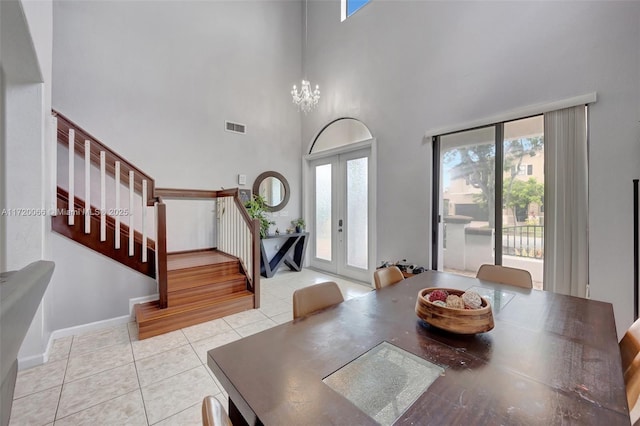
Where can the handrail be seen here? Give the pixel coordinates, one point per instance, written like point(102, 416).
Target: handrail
point(185, 193)
point(64, 125)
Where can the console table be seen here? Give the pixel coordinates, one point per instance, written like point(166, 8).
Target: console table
point(291, 253)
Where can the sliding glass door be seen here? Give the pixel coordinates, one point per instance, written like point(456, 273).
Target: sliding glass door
point(489, 204)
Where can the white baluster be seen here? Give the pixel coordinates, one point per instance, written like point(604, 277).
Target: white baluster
point(232, 219)
point(103, 196)
point(230, 223)
point(144, 220)
point(131, 234)
point(117, 217)
point(227, 224)
point(72, 195)
point(87, 187)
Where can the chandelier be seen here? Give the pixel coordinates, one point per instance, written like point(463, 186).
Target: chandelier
point(305, 98)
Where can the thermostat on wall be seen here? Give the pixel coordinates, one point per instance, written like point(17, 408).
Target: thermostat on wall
point(242, 179)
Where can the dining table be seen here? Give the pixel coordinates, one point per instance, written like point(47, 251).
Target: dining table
point(549, 359)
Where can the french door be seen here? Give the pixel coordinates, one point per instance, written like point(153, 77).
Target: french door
point(341, 206)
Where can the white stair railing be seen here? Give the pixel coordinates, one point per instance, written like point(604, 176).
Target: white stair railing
point(234, 234)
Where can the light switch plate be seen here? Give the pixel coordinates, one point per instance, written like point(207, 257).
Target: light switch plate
point(242, 179)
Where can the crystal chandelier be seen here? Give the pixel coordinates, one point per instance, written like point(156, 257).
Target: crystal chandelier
point(305, 98)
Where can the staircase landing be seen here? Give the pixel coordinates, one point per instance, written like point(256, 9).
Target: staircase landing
point(196, 258)
point(202, 286)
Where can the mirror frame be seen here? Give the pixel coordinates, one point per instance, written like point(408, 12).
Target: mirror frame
point(285, 183)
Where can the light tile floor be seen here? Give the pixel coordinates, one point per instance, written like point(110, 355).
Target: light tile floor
point(109, 377)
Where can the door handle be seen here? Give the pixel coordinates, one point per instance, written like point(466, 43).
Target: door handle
point(339, 225)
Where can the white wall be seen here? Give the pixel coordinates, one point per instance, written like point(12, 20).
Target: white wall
point(406, 67)
point(81, 294)
point(3, 177)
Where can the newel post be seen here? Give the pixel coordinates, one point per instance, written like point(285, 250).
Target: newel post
point(161, 252)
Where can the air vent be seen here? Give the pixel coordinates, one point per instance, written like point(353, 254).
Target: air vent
point(235, 127)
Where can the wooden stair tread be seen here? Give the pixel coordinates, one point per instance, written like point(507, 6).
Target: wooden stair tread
point(176, 261)
point(151, 310)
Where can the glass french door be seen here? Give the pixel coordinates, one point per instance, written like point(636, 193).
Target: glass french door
point(341, 203)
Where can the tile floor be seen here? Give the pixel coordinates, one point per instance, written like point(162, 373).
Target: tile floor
point(109, 377)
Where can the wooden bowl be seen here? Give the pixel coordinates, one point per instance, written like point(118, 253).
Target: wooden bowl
point(460, 321)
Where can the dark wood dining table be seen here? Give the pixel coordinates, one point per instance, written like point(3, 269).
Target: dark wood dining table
point(550, 359)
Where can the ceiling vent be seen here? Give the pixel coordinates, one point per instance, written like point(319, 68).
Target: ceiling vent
point(235, 127)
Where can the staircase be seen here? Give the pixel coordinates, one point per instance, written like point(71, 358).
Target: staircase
point(202, 285)
point(193, 286)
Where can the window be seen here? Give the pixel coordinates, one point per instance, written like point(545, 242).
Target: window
point(523, 170)
point(349, 7)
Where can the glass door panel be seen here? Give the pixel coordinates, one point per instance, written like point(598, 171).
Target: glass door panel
point(523, 195)
point(323, 209)
point(357, 213)
point(467, 200)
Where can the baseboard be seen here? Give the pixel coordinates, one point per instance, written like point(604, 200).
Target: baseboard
point(39, 359)
point(143, 299)
point(92, 326)
point(35, 360)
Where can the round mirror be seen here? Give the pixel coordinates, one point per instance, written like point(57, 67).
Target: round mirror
point(273, 188)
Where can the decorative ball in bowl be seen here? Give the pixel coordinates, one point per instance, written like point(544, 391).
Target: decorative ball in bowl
point(454, 310)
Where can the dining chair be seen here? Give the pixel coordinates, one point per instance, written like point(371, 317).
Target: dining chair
point(630, 345)
point(505, 275)
point(387, 276)
point(315, 297)
point(213, 413)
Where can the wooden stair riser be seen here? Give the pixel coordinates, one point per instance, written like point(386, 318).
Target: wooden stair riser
point(171, 319)
point(187, 282)
point(205, 292)
point(224, 268)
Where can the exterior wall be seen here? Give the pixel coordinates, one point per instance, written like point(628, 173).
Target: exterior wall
point(404, 68)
